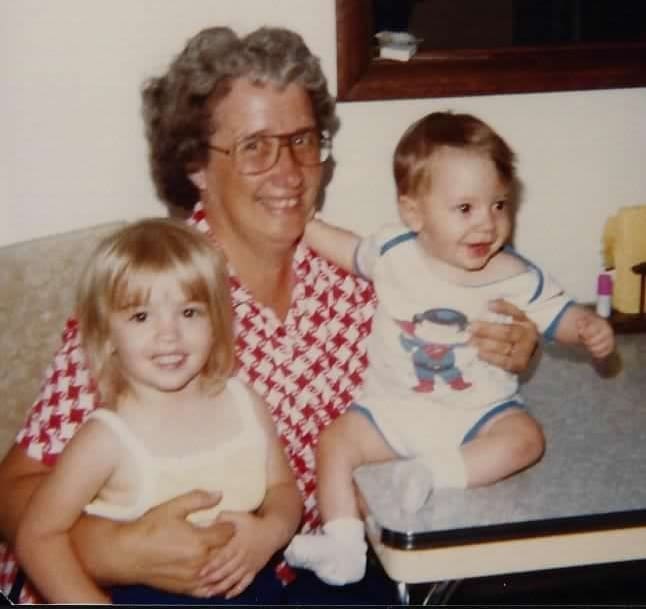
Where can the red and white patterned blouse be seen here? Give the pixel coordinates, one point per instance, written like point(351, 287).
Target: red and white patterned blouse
point(307, 368)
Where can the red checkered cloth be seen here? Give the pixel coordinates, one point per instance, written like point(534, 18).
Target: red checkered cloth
point(307, 368)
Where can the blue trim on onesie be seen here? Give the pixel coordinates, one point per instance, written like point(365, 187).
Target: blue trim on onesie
point(366, 413)
point(550, 331)
point(355, 263)
point(541, 281)
point(472, 433)
point(396, 241)
point(487, 416)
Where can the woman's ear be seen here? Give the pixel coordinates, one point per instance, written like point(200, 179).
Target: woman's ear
point(198, 178)
point(409, 212)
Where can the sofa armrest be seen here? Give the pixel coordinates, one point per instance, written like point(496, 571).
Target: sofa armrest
point(37, 285)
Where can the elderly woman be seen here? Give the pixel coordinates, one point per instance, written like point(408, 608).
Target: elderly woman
point(240, 131)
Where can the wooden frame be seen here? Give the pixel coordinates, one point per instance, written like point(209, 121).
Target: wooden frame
point(361, 77)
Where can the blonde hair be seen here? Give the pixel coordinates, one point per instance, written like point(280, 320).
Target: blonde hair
point(117, 276)
point(413, 154)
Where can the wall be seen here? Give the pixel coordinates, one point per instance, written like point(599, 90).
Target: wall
point(580, 157)
point(72, 152)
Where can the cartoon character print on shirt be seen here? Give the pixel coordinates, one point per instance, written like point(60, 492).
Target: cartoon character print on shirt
point(432, 338)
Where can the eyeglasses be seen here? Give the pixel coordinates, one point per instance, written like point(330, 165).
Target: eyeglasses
point(259, 153)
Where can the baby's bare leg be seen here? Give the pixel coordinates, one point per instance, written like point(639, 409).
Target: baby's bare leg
point(350, 441)
point(510, 442)
point(339, 555)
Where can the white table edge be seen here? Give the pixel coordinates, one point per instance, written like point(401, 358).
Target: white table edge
point(509, 556)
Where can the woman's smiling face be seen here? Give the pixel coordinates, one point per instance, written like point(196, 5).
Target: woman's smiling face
point(272, 207)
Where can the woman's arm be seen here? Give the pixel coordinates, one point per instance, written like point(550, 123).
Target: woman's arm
point(336, 244)
point(19, 477)
point(510, 345)
point(260, 535)
point(161, 549)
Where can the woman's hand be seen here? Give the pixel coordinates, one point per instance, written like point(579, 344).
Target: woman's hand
point(161, 549)
point(235, 566)
point(507, 345)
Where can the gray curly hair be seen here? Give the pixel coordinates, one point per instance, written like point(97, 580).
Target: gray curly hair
point(178, 105)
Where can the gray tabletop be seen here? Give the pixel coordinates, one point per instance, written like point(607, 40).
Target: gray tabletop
point(593, 472)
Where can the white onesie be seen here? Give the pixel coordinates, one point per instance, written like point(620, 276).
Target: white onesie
point(424, 387)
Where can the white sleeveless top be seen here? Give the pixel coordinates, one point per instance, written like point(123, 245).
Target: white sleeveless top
point(236, 467)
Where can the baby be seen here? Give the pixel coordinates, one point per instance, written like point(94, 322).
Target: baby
point(451, 419)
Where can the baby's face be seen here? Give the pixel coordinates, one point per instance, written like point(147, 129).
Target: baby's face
point(465, 218)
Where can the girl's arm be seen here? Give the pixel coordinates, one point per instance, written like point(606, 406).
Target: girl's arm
point(260, 535)
point(43, 542)
point(282, 507)
point(332, 242)
point(160, 549)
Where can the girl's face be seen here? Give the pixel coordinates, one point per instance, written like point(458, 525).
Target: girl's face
point(465, 218)
point(163, 343)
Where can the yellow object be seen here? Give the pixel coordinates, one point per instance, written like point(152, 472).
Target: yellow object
point(624, 245)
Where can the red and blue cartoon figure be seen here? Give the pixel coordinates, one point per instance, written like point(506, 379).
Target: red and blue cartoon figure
point(432, 338)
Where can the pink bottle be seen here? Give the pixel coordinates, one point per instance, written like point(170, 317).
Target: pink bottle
point(604, 295)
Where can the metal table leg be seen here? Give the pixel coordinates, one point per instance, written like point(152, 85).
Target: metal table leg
point(439, 593)
point(403, 593)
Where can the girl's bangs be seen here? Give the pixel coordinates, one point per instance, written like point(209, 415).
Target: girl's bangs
point(133, 288)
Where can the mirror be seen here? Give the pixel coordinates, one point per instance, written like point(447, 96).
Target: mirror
point(556, 64)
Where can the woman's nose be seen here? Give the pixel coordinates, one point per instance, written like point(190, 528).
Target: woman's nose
point(287, 167)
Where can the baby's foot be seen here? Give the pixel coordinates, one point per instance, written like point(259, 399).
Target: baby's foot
point(413, 483)
point(337, 557)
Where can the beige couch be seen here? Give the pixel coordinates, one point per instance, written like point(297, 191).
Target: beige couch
point(37, 285)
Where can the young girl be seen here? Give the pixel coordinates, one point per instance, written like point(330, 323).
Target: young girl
point(451, 419)
point(155, 320)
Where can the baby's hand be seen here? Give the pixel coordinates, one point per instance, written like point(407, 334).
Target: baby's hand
point(597, 335)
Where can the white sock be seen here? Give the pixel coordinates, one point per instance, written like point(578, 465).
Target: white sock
point(412, 482)
point(414, 479)
point(448, 468)
point(338, 556)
